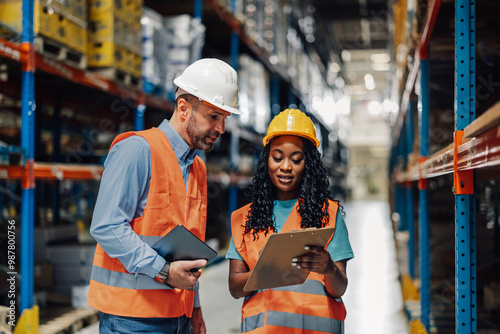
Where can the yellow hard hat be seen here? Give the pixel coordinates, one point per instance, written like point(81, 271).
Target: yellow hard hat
point(291, 122)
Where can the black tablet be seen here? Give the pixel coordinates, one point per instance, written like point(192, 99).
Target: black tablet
point(181, 244)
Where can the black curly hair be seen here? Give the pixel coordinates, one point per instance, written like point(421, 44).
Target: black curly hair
point(313, 194)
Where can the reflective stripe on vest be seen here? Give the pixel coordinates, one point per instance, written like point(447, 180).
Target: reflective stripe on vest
point(310, 286)
point(125, 280)
point(306, 322)
point(253, 322)
point(293, 320)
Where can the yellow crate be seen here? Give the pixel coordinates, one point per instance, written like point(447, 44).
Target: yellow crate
point(127, 10)
point(108, 54)
point(123, 9)
point(73, 9)
point(60, 28)
point(128, 60)
point(48, 23)
point(129, 36)
point(78, 8)
point(100, 6)
point(123, 59)
point(11, 11)
point(76, 37)
point(100, 54)
point(137, 65)
point(11, 15)
point(119, 8)
point(101, 27)
point(106, 27)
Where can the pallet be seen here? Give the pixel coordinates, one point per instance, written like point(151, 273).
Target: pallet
point(9, 34)
point(70, 322)
point(60, 52)
point(119, 76)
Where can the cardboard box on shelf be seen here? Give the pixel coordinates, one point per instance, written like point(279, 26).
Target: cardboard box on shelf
point(492, 296)
point(43, 275)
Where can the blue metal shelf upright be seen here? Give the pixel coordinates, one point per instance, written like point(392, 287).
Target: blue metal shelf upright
point(28, 110)
point(465, 113)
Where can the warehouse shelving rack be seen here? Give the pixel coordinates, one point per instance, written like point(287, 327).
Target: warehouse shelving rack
point(476, 146)
point(31, 171)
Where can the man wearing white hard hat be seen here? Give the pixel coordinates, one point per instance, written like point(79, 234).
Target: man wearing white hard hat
point(153, 180)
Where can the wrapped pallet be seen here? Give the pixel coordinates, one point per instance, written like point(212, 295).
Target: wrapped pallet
point(169, 45)
point(115, 39)
point(60, 28)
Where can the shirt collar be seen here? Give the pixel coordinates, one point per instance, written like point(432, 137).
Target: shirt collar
point(181, 148)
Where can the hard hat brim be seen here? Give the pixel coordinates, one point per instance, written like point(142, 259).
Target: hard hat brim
point(268, 138)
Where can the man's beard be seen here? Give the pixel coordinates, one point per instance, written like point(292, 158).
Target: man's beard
point(200, 140)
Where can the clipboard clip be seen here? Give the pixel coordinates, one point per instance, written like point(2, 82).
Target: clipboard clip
point(306, 229)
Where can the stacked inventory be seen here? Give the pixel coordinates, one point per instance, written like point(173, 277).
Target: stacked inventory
point(170, 44)
point(254, 94)
point(282, 36)
point(61, 28)
point(115, 39)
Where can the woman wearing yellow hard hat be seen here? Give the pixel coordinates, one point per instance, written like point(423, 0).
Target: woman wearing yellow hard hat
point(290, 191)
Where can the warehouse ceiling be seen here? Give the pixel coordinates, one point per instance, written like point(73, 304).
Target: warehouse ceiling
point(355, 35)
point(350, 38)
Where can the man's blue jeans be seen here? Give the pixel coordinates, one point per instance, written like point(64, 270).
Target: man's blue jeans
point(113, 324)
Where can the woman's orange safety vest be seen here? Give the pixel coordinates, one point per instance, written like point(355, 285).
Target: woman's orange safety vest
point(303, 308)
point(113, 289)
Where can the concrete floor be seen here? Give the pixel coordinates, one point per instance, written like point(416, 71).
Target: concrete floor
point(373, 299)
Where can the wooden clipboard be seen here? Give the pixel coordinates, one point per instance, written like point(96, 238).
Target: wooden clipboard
point(274, 267)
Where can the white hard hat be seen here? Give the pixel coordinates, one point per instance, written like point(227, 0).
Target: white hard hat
point(213, 81)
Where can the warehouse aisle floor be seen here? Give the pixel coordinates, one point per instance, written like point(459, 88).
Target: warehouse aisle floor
point(373, 298)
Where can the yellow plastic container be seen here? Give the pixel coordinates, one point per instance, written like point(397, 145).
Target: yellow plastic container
point(109, 54)
point(11, 15)
point(76, 37)
point(75, 10)
point(137, 65)
point(49, 21)
point(101, 54)
point(102, 27)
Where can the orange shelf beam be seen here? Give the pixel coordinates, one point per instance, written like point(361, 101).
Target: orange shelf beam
point(13, 51)
point(47, 171)
point(482, 151)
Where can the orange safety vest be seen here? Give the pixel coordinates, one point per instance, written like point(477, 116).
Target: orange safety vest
point(303, 308)
point(113, 289)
